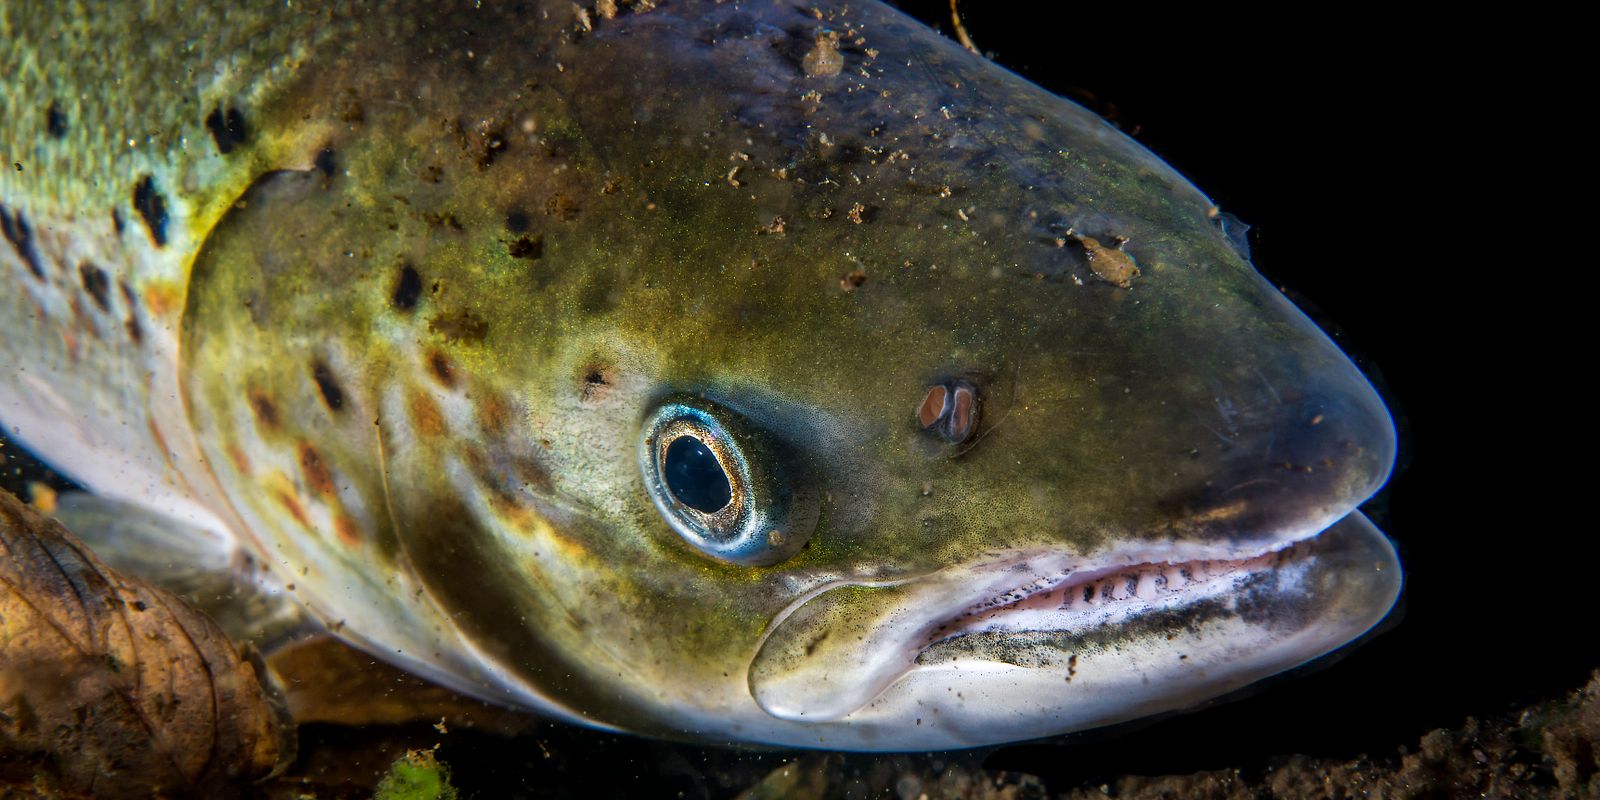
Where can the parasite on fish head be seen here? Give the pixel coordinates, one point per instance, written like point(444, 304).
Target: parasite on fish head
point(723, 485)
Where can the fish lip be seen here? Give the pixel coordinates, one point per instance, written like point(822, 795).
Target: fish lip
point(1181, 581)
point(788, 682)
point(1084, 569)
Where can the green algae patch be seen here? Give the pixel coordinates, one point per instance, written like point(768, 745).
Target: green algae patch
point(417, 775)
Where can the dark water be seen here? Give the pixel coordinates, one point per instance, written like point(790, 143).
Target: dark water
point(1336, 140)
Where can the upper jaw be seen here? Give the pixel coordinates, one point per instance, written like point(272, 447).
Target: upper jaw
point(841, 644)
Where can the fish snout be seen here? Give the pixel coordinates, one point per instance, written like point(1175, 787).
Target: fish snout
point(1307, 454)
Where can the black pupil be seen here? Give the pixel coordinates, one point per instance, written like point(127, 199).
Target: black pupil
point(695, 477)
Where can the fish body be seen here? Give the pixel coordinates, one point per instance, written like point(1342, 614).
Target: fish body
point(746, 372)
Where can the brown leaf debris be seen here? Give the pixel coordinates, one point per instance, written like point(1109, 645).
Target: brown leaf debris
point(115, 688)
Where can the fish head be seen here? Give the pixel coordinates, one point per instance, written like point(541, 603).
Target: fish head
point(832, 387)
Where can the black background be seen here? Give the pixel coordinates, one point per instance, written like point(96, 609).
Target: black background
point(1377, 199)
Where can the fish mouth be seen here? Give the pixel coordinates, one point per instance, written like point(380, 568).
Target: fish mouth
point(1092, 598)
point(844, 645)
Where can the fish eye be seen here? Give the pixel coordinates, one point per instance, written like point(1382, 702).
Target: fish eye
point(728, 488)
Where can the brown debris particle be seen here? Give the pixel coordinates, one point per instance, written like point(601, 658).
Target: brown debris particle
point(858, 213)
point(561, 207)
point(854, 280)
point(1110, 264)
point(42, 497)
point(777, 227)
point(113, 688)
point(824, 60)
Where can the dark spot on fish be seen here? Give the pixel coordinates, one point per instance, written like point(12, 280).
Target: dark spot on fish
point(459, 325)
point(532, 474)
point(292, 505)
point(811, 646)
point(348, 529)
point(325, 163)
point(425, 414)
point(16, 230)
point(442, 368)
point(227, 129)
point(407, 289)
point(135, 330)
point(517, 221)
point(493, 413)
point(597, 380)
point(55, 120)
point(328, 385)
point(317, 475)
point(529, 247)
point(266, 410)
point(153, 208)
point(241, 462)
point(96, 284)
point(116, 221)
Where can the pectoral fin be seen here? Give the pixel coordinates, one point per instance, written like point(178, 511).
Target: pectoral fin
point(199, 565)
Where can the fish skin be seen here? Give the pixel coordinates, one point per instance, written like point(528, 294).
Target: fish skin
point(585, 242)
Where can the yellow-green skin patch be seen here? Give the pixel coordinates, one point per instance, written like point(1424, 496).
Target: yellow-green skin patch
point(415, 317)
